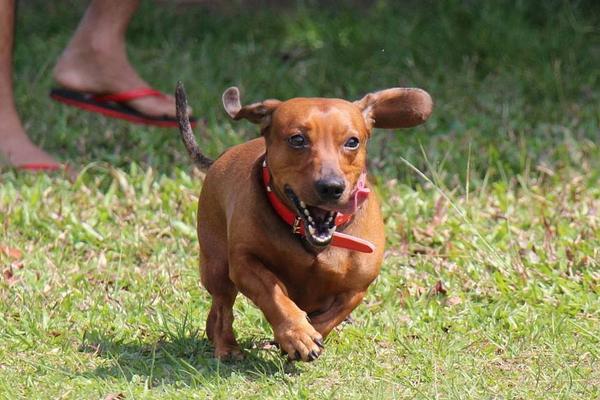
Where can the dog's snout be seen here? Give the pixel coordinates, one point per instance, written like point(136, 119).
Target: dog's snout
point(330, 188)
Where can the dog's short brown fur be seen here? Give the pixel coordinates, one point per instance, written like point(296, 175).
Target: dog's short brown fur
point(303, 290)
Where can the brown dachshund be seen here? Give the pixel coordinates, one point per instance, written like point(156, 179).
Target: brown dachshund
point(287, 219)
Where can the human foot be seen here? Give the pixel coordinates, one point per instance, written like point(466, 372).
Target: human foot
point(17, 149)
point(95, 69)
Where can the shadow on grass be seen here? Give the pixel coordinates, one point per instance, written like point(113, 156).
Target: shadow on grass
point(184, 359)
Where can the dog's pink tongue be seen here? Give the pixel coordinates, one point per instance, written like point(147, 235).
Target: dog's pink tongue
point(362, 191)
point(360, 194)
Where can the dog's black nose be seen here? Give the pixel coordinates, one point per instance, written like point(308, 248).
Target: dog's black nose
point(330, 188)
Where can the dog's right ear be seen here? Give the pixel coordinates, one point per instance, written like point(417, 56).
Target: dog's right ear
point(259, 113)
point(396, 107)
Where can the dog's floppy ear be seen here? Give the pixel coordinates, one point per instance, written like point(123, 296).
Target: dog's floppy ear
point(259, 113)
point(396, 107)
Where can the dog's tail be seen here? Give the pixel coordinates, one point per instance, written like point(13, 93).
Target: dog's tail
point(201, 161)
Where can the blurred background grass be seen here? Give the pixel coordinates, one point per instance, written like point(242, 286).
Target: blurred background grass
point(516, 83)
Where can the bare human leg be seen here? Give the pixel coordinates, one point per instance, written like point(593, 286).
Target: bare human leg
point(95, 60)
point(15, 146)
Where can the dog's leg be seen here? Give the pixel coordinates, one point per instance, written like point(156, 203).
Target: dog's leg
point(219, 324)
point(219, 328)
point(342, 307)
point(291, 328)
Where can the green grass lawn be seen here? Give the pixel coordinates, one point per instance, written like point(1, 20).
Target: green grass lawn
point(490, 286)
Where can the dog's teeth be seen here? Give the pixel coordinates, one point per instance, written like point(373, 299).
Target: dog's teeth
point(302, 204)
point(322, 239)
point(306, 212)
point(310, 219)
point(332, 219)
point(311, 230)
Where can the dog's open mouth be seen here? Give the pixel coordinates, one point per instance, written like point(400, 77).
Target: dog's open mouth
point(319, 224)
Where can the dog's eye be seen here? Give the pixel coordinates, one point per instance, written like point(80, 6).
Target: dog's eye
point(298, 141)
point(352, 143)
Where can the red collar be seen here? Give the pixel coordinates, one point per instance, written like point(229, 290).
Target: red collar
point(289, 217)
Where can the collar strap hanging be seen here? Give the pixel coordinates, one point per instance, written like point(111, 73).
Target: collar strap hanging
point(295, 221)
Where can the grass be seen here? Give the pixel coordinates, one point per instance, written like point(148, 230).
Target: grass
point(491, 282)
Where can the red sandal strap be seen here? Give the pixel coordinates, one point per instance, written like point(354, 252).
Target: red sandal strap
point(40, 167)
point(129, 95)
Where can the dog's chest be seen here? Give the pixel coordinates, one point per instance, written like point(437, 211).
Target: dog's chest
point(332, 269)
point(333, 262)
point(314, 284)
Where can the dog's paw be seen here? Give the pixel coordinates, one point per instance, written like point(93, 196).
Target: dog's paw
point(299, 340)
point(229, 353)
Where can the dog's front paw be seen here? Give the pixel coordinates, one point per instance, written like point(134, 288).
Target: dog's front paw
point(229, 353)
point(299, 340)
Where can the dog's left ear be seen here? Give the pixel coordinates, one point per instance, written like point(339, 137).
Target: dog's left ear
point(259, 113)
point(396, 107)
